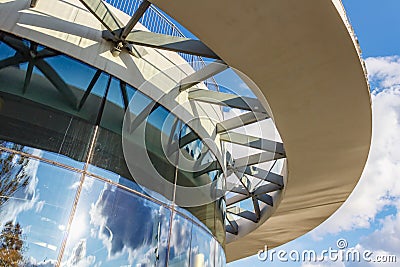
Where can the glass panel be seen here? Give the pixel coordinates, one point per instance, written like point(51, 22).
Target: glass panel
point(113, 113)
point(48, 129)
point(5, 51)
point(35, 203)
point(220, 215)
point(75, 73)
point(108, 154)
point(179, 253)
point(202, 251)
point(220, 259)
point(115, 227)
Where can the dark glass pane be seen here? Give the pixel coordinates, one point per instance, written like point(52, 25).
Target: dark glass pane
point(117, 228)
point(37, 198)
point(39, 127)
point(74, 73)
point(5, 51)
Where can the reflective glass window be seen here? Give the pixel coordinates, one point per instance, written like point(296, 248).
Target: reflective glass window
point(36, 198)
point(202, 251)
point(115, 227)
point(181, 232)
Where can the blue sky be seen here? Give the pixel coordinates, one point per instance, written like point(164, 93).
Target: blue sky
point(370, 219)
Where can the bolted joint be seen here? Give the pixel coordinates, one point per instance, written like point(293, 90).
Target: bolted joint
point(116, 50)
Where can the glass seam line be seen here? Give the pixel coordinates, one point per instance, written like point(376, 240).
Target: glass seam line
point(77, 196)
point(173, 210)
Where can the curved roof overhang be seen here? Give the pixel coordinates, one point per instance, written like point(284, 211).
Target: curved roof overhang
point(303, 57)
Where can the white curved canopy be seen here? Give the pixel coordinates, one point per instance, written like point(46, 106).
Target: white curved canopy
point(303, 57)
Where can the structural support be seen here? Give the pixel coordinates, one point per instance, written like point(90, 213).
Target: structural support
point(224, 99)
point(187, 139)
point(256, 206)
point(29, 54)
point(240, 189)
point(121, 35)
point(243, 213)
point(122, 86)
point(89, 89)
point(233, 227)
point(235, 199)
point(142, 116)
point(252, 141)
point(256, 158)
point(268, 188)
point(100, 10)
point(207, 167)
point(267, 199)
point(57, 81)
point(203, 74)
point(171, 43)
point(134, 19)
point(28, 76)
point(264, 175)
point(239, 121)
point(12, 61)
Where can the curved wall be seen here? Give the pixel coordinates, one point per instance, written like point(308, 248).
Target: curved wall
point(64, 181)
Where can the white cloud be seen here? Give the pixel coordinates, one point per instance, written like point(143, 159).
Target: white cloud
point(386, 238)
point(39, 206)
point(25, 198)
point(384, 70)
point(32, 262)
point(78, 256)
point(379, 185)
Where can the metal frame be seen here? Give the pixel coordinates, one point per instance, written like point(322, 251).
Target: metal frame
point(123, 37)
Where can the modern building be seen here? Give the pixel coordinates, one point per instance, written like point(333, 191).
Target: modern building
point(127, 139)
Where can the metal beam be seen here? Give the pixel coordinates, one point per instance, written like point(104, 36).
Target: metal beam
point(17, 44)
point(122, 86)
point(188, 138)
point(224, 99)
point(239, 121)
point(257, 210)
point(268, 188)
point(57, 81)
point(252, 141)
point(233, 227)
point(31, 64)
point(235, 199)
point(267, 199)
point(142, 116)
point(207, 167)
point(243, 213)
point(240, 189)
point(256, 158)
point(12, 61)
point(134, 19)
point(100, 10)
point(171, 43)
point(89, 89)
point(203, 74)
point(264, 175)
point(45, 53)
point(28, 76)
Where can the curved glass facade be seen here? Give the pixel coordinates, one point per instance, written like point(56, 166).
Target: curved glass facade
point(66, 194)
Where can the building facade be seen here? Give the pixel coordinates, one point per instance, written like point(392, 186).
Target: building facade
point(119, 148)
